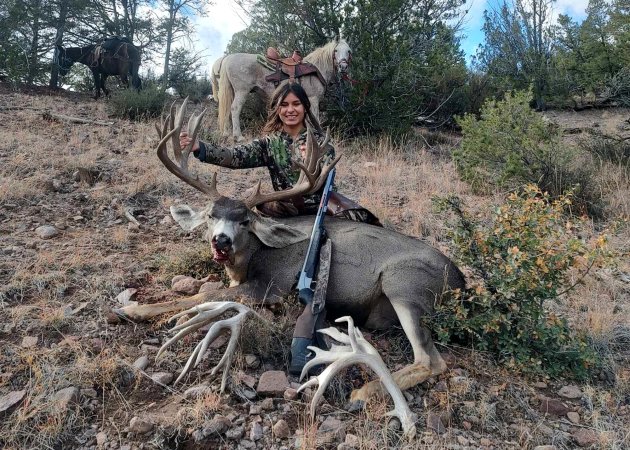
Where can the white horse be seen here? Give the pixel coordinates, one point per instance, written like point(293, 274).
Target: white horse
point(214, 77)
point(241, 73)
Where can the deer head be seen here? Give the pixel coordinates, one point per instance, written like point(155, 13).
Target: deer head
point(230, 222)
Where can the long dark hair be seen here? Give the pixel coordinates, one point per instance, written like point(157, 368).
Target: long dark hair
point(274, 123)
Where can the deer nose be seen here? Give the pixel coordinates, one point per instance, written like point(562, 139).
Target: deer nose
point(221, 241)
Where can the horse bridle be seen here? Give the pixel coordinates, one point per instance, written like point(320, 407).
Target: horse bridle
point(344, 60)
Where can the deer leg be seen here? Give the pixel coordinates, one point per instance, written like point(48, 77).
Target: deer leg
point(427, 360)
point(142, 313)
point(237, 106)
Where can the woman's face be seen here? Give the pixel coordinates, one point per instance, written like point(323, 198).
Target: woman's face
point(292, 111)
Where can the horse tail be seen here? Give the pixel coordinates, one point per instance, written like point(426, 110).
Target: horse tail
point(214, 78)
point(226, 97)
point(134, 56)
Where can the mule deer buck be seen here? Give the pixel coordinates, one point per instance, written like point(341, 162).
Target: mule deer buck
point(378, 277)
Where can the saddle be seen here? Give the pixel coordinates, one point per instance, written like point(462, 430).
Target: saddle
point(290, 67)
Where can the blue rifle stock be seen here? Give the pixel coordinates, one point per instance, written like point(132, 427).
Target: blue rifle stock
point(305, 285)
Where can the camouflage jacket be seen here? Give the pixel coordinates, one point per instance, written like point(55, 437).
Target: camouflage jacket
point(276, 151)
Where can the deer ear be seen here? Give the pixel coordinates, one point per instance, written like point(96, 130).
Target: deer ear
point(275, 234)
point(188, 218)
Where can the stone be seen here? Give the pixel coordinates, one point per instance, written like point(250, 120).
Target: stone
point(235, 433)
point(46, 231)
point(461, 440)
point(290, 394)
point(435, 423)
point(210, 286)
point(162, 377)
point(256, 431)
point(553, 406)
point(219, 424)
point(573, 417)
point(254, 410)
point(540, 385)
point(137, 425)
point(246, 379)
point(545, 447)
point(197, 391)
point(187, 285)
point(570, 392)
point(10, 400)
point(267, 404)
point(584, 437)
point(101, 439)
point(66, 397)
point(252, 361)
point(29, 341)
point(141, 363)
point(485, 442)
point(352, 440)
point(125, 297)
point(272, 382)
point(281, 429)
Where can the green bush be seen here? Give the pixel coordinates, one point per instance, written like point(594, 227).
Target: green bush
point(511, 145)
point(145, 104)
point(197, 90)
point(521, 259)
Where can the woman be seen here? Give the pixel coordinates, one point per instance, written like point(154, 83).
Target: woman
point(285, 141)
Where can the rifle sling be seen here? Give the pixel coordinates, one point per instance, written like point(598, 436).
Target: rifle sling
point(319, 296)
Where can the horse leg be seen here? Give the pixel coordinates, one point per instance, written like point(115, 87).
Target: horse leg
point(237, 106)
point(97, 84)
point(103, 84)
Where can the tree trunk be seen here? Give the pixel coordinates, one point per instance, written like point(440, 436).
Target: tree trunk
point(61, 25)
point(169, 41)
point(32, 57)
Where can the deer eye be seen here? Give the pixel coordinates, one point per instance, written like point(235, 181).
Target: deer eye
point(245, 223)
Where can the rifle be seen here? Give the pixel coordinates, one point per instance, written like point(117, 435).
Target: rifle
point(305, 285)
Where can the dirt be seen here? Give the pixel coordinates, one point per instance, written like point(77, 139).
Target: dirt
point(107, 196)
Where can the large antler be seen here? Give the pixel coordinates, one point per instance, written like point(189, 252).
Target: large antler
point(205, 313)
point(356, 350)
point(170, 129)
point(313, 176)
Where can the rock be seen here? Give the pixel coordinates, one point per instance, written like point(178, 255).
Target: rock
point(281, 429)
point(255, 410)
point(137, 425)
point(467, 425)
point(197, 391)
point(435, 423)
point(246, 444)
point(126, 296)
point(352, 440)
point(256, 431)
point(187, 285)
point(461, 440)
point(235, 433)
point(89, 393)
point(441, 386)
point(29, 342)
point(101, 439)
point(10, 400)
point(272, 382)
point(570, 392)
point(540, 385)
point(252, 361)
point(162, 377)
point(141, 363)
point(584, 437)
point(450, 360)
point(66, 397)
point(545, 447)
point(267, 404)
point(217, 425)
point(553, 406)
point(47, 231)
point(573, 417)
point(210, 286)
point(246, 379)
point(485, 442)
point(290, 394)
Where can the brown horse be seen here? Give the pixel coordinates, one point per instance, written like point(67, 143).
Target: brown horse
point(114, 56)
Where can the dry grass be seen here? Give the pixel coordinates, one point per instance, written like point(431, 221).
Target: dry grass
point(97, 257)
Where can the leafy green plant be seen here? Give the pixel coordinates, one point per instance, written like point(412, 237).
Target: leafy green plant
point(142, 105)
point(511, 144)
point(521, 259)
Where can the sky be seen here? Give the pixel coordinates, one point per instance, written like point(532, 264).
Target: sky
point(225, 18)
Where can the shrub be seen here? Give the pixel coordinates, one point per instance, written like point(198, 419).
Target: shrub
point(145, 104)
point(520, 260)
point(197, 90)
point(511, 144)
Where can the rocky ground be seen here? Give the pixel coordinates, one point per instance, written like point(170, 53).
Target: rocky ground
point(84, 228)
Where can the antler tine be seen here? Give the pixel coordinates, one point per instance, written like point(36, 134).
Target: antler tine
point(360, 351)
point(205, 313)
point(173, 122)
